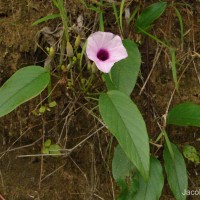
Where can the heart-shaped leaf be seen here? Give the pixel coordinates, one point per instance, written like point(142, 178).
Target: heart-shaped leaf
point(125, 122)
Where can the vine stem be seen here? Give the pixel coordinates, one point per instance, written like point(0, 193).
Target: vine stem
point(173, 92)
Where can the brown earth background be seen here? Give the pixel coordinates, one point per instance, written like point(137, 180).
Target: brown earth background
point(86, 172)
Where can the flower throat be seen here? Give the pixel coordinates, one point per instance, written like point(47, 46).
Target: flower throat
point(103, 55)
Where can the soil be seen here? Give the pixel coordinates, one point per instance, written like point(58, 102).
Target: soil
point(84, 171)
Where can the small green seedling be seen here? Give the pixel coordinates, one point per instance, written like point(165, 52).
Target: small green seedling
point(191, 154)
point(52, 104)
point(44, 108)
point(51, 148)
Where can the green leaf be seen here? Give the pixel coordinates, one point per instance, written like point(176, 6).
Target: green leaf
point(45, 150)
point(149, 15)
point(176, 172)
point(42, 109)
point(125, 72)
point(54, 149)
point(47, 143)
point(124, 190)
point(168, 143)
point(25, 84)
point(191, 154)
point(122, 167)
point(109, 83)
point(125, 122)
point(128, 190)
point(152, 189)
point(185, 114)
point(52, 104)
point(134, 186)
point(44, 19)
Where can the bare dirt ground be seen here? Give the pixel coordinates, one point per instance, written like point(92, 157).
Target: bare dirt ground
point(84, 172)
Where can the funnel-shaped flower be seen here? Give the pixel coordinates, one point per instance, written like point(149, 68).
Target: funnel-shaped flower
point(105, 49)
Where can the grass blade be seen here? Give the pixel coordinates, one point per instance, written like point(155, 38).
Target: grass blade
point(173, 62)
point(120, 14)
point(133, 14)
point(44, 19)
point(101, 22)
point(180, 23)
point(116, 13)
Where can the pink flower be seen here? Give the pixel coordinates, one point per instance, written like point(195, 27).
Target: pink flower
point(105, 49)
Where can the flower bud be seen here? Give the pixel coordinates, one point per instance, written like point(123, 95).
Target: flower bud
point(78, 55)
point(94, 68)
point(63, 68)
point(42, 109)
point(51, 52)
point(88, 66)
point(77, 41)
point(83, 81)
point(69, 84)
point(69, 66)
point(74, 59)
point(127, 13)
point(52, 104)
point(70, 52)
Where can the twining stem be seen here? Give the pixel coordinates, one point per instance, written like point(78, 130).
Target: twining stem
point(153, 37)
point(62, 50)
point(49, 89)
